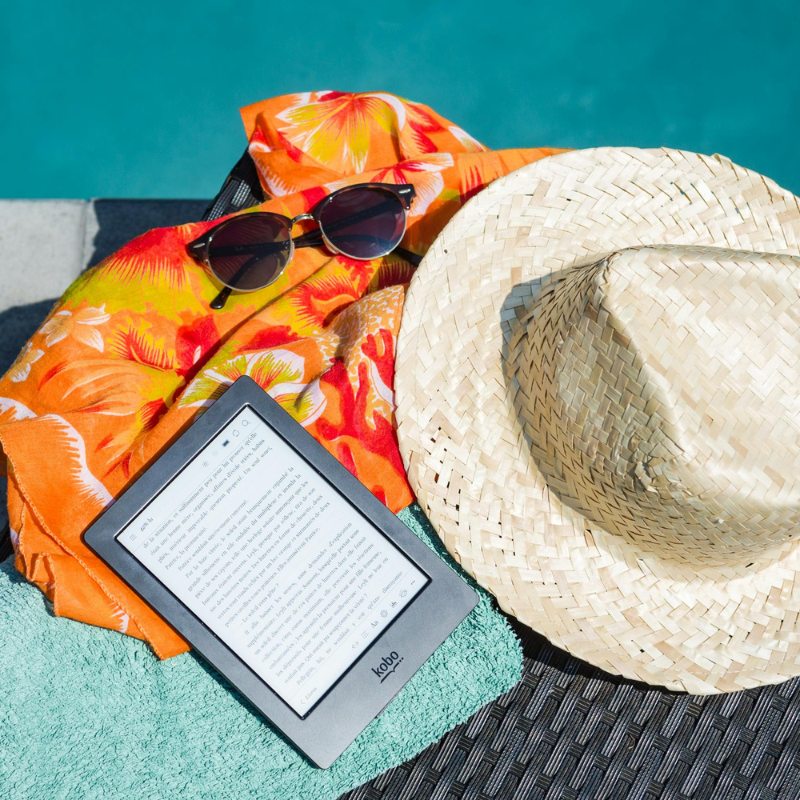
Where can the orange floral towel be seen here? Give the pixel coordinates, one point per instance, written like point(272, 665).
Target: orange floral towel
point(132, 352)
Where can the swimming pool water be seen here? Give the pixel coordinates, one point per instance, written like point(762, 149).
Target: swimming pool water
point(140, 99)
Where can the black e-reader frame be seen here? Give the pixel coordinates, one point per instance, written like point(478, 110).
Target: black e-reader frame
point(324, 730)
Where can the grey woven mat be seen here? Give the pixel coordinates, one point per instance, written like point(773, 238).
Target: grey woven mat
point(568, 731)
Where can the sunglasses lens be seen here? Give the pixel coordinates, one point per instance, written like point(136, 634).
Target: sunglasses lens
point(364, 223)
point(250, 252)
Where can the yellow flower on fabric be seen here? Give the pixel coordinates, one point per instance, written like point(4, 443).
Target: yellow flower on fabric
point(336, 130)
point(279, 372)
point(79, 325)
point(21, 368)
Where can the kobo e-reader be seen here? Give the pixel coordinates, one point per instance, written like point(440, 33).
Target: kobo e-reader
point(282, 570)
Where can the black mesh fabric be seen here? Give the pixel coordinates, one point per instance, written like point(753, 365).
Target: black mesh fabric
point(242, 189)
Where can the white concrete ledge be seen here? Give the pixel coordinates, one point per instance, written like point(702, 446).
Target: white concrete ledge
point(41, 248)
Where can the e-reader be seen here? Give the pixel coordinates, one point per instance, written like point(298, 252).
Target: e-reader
point(282, 570)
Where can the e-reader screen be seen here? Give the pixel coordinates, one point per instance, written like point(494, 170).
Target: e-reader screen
point(279, 565)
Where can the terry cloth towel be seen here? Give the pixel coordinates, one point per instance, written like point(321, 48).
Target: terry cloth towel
point(133, 352)
point(86, 713)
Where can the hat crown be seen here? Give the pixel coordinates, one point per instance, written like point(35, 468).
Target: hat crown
point(659, 391)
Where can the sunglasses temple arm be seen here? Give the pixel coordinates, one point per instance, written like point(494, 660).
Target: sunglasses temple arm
point(412, 258)
point(358, 216)
point(219, 301)
point(260, 250)
point(314, 239)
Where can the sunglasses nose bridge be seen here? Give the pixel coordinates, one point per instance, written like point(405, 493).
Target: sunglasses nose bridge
point(299, 218)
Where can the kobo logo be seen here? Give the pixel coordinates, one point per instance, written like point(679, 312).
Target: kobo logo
point(387, 666)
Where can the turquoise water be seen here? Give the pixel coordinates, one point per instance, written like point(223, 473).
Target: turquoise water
point(140, 99)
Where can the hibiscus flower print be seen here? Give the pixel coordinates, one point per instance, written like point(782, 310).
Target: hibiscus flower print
point(21, 368)
point(470, 143)
point(425, 174)
point(336, 128)
point(278, 372)
point(80, 325)
point(11, 410)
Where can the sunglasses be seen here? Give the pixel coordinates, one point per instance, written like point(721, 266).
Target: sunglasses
point(251, 251)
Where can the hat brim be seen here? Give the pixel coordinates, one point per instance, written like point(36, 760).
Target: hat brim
point(597, 595)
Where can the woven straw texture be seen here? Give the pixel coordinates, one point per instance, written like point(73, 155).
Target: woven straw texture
point(657, 390)
point(686, 579)
point(568, 731)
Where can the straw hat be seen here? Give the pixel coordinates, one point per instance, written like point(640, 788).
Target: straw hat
point(598, 389)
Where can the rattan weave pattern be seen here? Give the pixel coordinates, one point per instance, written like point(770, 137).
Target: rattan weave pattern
point(569, 731)
point(240, 190)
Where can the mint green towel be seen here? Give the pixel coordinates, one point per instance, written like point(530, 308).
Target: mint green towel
point(86, 713)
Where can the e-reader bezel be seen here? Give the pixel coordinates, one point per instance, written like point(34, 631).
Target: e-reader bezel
point(359, 695)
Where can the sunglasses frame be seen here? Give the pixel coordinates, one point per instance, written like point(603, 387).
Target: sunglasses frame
point(200, 248)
